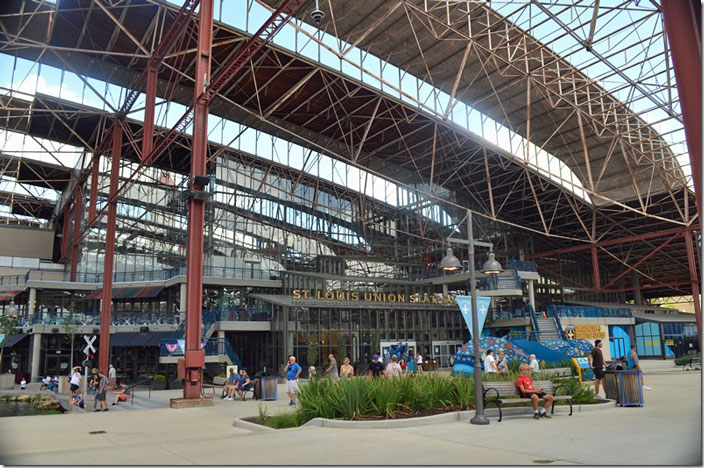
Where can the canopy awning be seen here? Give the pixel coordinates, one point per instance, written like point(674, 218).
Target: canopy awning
point(138, 339)
point(12, 340)
point(128, 293)
point(8, 295)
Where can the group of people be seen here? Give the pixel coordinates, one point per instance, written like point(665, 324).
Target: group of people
point(499, 364)
point(237, 384)
point(98, 384)
point(597, 363)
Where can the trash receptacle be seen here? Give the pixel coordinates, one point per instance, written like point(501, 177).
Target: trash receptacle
point(624, 387)
point(268, 388)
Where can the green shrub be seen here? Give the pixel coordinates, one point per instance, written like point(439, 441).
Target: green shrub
point(263, 413)
point(285, 420)
point(159, 378)
point(686, 360)
point(581, 393)
point(463, 392)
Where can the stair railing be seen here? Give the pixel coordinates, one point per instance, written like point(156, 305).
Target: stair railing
point(534, 318)
point(133, 386)
point(552, 313)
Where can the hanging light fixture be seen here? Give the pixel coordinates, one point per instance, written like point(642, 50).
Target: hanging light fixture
point(491, 266)
point(449, 262)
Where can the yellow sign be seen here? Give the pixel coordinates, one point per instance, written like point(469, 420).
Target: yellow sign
point(354, 296)
point(589, 332)
point(670, 342)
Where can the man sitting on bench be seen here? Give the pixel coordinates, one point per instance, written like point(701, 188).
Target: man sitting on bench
point(525, 386)
point(230, 386)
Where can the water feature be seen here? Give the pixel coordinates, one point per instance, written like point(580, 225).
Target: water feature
point(23, 409)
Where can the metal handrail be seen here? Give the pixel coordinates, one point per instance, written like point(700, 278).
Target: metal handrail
point(150, 379)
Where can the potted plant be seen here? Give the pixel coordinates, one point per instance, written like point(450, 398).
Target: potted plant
point(159, 382)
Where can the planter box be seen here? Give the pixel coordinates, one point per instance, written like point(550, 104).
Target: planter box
point(159, 385)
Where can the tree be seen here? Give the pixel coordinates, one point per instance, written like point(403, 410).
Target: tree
point(8, 325)
point(313, 347)
point(341, 346)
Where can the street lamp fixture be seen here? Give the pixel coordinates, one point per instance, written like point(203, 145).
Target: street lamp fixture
point(491, 266)
point(449, 262)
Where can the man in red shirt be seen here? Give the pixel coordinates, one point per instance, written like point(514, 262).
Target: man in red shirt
point(525, 386)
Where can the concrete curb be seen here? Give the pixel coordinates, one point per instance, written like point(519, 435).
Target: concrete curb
point(426, 420)
point(250, 426)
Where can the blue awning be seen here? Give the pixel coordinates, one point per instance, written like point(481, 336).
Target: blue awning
point(138, 339)
point(12, 340)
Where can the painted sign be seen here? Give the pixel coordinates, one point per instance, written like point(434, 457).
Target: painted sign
point(367, 296)
point(589, 332)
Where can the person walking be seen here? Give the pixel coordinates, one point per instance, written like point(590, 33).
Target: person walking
point(502, 362)
point(490, 362)
point(596, 359)
point(534, 366)
point(393, 369)
point(292, 371)
point(419, 362)
point(412, 367)
point(332, 371)
point(112, 375)
point(346, 371)
point(376, 368)
point(634, 363)
point(404, 366)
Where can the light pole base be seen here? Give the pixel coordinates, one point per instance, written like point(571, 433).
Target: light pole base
point(480, 420)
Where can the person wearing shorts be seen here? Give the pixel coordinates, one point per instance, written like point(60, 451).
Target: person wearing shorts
point(525, 386)
point(75, 379)
point(102, 392)
point(597, 362)
point(292, 371)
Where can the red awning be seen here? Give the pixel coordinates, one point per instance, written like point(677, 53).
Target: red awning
point(6, 296)
point(129, 293)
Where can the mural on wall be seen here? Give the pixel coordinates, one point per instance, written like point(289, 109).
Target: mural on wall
point(516, 349)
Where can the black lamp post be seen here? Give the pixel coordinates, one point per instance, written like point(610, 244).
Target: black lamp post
point(491, 266)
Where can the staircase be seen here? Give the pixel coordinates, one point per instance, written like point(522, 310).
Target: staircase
point(548, 329)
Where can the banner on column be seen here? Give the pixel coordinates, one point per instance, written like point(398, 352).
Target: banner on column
point(465, 305)
point(182, 345)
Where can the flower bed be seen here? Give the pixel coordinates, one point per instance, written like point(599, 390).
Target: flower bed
point(362, 399)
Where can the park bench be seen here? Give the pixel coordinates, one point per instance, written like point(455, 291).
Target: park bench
point(695, 361)
point(219, 382)
point(506, 393)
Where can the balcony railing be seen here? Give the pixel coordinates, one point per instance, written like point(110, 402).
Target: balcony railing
point(124, 319)
point(211, 346)
point(509, 313)
point(522, 265)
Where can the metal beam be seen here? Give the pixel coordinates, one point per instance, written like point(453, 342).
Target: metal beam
point(108, 261)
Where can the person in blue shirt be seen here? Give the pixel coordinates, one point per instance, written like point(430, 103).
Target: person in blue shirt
point(243, 384)
point(292, 370)
point(634, 363)
point(231, 385)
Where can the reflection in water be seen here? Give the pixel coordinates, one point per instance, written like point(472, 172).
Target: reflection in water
point(23, 409)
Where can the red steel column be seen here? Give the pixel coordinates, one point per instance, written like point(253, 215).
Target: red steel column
point(77, 215)
point(148, 134)
point(106, 303)
point(595, 267)
point(64, 232)
point(93, 188)
point(194, 355)
point(685, 45)
point(695, 284)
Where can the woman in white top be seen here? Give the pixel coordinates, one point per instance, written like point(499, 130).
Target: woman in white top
point(419, 362)
point(489, 362)
point(75, 379)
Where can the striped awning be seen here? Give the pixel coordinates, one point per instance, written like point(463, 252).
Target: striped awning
point(128, 293)
point(8, 295)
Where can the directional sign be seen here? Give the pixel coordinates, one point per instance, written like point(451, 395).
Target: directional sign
point(89, 347)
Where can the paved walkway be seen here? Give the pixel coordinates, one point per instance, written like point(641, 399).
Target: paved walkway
point(666, 431)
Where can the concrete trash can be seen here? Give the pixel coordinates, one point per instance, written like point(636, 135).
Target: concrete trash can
point(624, 387)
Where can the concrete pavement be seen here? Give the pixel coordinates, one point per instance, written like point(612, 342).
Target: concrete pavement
point(666, 431)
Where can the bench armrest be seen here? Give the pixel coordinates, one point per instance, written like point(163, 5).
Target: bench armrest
point(487, 391)
point(557, 387)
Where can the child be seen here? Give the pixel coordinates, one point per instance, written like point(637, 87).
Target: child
point(525, 386)
point(23, 384)
point(77, 400)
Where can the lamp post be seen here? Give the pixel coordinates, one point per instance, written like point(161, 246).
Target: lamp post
point(491, 266)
